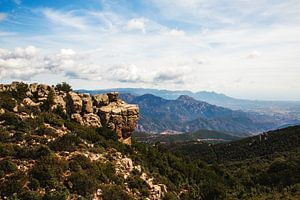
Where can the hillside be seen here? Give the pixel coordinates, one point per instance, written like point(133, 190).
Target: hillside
point(46, 154)
point(175, 137)
point(287, 139)
point(185, 114)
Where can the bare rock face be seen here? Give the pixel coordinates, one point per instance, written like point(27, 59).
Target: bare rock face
point(91, 119)
point(101, 100)
point(101, 110)
point(87, 103)
point(28, 102)
point(74, 102)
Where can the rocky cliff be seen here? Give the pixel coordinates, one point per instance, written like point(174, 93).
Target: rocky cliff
point(102, 110)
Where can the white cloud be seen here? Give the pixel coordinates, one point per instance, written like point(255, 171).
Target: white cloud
point(3, 16)
point(67, 52)
point(175, 32)
point(136, 24)
point(253, 54)
point(65, 18)
point(22, 63)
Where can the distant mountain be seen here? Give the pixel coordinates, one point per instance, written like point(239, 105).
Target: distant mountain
point(185, 114)
point(288, 109)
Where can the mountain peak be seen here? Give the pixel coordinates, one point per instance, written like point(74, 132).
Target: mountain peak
point(185, 98)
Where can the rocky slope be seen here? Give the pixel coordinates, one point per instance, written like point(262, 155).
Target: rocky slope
point(101, 110)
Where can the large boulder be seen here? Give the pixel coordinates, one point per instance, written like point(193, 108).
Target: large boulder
point(101, 100)
point(91, 119)
point(75, 102)
point(87, 103)
point(43, 90)
point(113, 96)
point(59, 101)
point(28, 102)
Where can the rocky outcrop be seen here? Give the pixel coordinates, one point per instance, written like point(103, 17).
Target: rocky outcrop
point(102, 110)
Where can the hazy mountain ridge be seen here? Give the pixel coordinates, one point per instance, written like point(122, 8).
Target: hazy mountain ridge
point(185, 114)
point(288, 109)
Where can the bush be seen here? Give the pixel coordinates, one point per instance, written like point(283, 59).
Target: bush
point(29, 195)
point(114, 193)
point(48, 171)
point(34, 184)
point(8, 166)
point(68, 142)
point(53, 119)
point(82, 183)
point(135, 182)
point(10, 119)
point(64, 87)
point(7, 102)
point(49, 102)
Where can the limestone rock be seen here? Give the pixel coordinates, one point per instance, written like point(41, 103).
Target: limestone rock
point(87, 103)
point(113, 96)
point(43, 90)
point(59, 101)
point(101, 100)
point(75, 102)
point(77, 117)
point(2, 111)
point(91, 119)
point(105, 110)
point(28, 102)
point(33, 87)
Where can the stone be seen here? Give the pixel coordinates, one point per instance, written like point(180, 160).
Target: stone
point(105, 110)
point(91, 119)
point(75, 102)
point(77, 117)
point(100, 100)
point(2, 88)
point(33, 87)
point(43, 90)
point(113, 96)
point(87, 103)
point(28, 102)
point(59, 101)
point(2, 111)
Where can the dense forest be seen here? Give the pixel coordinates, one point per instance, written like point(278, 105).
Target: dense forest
point(49, 156)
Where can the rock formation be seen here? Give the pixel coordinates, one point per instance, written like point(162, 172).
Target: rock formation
point(102, 110)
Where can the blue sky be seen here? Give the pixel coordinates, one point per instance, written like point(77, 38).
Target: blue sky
point(247, 49)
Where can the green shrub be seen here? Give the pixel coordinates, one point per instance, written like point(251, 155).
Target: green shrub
point(48, 171)
point(53, 119)
point(8, 166)
point(7, 102)
point(49, 102)
point(135, 182)
point(33, 184)
point(68, 142)
point(64, 87)
point(58, 194)
point(29, 195)
point(114, 192)
point(82, 183)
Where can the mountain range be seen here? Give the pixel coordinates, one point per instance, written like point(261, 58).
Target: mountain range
point(289, 109)
point(185, 114)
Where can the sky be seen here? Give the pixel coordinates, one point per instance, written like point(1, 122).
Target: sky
point(243, 48)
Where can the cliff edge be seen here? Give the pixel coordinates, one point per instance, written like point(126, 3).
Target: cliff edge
point(102, 110)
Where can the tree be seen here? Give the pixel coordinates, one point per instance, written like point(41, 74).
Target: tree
point(64, 87)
